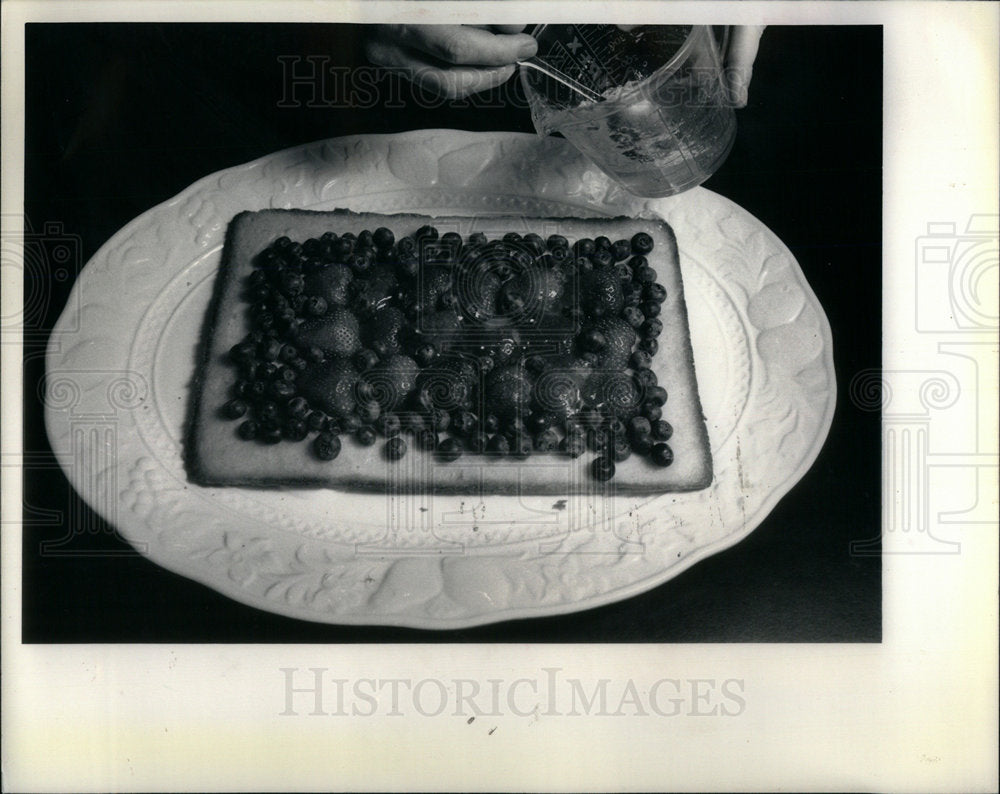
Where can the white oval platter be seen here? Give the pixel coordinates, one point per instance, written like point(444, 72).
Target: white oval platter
point(121, 359)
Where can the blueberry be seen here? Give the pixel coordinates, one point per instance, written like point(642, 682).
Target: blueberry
point(640, 359)
point(602, 468)
point(350, 423)
point(534, 364)
point(632, 293)
point(491, 423)
point(315, 355)
point(645, 379)
point(383, 238)
point(388, 425)
point(426, 439)
point(449, 450)
point(649, 346)
point(651, 328)
point(538, 422)
point(288, 353)
point(534, 243)
point(662, 430)
point(452, 241)
point(650, 309)
point(234, 409)
point(621, 249)
point(512, 237)
point(498, 445)
point(425, 354)
point(365, 435)
point(642, 443)
point(584, 247)
point(315, 306)
point(646, 275)
point(282, 389)
point(620, 449)
point(486, 364)
point(574, 446)
point(269, 350)
point(642, 243)
point(657, 395)
point(593, 340)
point(477, 442)
point(292, 283)
point(556, 241)
point(247, 430)
point(633, 316)
point(243, 351)
point(267, 411)
point(602, 257)
point(598, 440)
point(546, 440)
point(521, 446)
point(343, 248)
point(361, 261)
point(602, 243)
point(369, 411)
point(295, 430)
point(464, 422)
point(651, 411)
point(426, 234)
point(616, 427)
point(559, 256)
point(440, 420)
point(477, 239)
point(395, 448)
point(654, 292)
point(408, 265)
point(297, 407)
point(639, 425)
point(661, 454)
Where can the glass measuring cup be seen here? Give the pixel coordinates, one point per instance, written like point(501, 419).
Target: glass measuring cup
point(663, 122)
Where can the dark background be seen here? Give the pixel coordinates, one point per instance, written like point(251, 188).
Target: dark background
point(123, 117)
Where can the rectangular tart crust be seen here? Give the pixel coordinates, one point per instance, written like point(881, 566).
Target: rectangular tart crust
point(216, 456)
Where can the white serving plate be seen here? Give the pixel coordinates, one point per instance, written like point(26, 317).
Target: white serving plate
point(122, 356)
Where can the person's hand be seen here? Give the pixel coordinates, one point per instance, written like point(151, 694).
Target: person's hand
point(452, 61)
point(742, 52)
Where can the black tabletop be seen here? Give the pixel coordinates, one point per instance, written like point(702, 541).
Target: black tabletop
point(123, 117)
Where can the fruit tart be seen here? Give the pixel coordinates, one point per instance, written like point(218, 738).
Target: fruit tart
point(499, 354)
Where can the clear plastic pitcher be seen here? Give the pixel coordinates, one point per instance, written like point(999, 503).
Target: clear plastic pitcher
point(658, 118)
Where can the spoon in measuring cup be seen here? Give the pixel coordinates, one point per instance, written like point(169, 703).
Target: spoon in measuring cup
point(540, 65)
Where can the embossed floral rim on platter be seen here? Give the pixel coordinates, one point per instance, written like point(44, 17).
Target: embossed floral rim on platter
point(121, 358)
